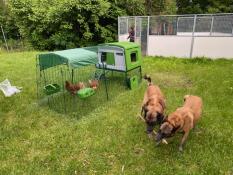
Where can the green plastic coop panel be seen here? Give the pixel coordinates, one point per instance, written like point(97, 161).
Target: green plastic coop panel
point(128, 51)
point(110, 59)
point(113, 57)
point(133, 82)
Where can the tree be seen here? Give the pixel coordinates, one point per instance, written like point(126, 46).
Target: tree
point(7, 21)
point(56, 24)
point(208, 6)
point(158, 7)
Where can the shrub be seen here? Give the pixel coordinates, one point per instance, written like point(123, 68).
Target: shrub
point(63, 24)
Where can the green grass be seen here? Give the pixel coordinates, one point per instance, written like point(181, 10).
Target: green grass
point(111, 139)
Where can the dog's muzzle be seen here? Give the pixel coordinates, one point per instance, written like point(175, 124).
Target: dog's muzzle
point(161, 136)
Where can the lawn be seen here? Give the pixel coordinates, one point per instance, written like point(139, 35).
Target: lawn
point(111, 139)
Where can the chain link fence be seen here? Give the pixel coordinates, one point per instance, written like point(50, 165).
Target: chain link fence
point(186, 29)
point(198, 25)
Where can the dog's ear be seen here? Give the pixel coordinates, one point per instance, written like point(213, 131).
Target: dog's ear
point(185, 97)
point(148, 116)
point(173, 122)
point(144, 111)
point(148, 101)
point(166, 128)
point(165, 118)
point(162, 103)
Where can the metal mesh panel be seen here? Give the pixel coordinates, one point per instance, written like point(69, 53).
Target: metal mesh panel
point(144, 28)
point(163, 25)
point(222, 25)
point(131, 22)
point(185, 24)
point(138, 27)
point(203, 25)
point(123, 26)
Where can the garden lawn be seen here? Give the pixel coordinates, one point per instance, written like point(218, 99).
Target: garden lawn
point(111, 139)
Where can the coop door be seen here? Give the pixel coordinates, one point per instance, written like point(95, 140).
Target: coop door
point(108, 58)
point(120, 61)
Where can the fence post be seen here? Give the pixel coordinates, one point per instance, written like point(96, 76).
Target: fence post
point(177, 25)
point(148, 33)
point(232, 30)
point(192, 42)
point(135, 28)
point(127, 24)
point(4, 38)
point(212, 23)
point(118, 27)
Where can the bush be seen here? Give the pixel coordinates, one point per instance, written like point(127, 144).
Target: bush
point(56, 24)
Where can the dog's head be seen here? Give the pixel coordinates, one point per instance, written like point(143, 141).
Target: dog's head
point(152, 119)
point(186, 97)
point(167, 129)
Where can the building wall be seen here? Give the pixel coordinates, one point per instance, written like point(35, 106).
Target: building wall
point(213, 47)
point(123, 37)
point(169, 46)
point(210, 47)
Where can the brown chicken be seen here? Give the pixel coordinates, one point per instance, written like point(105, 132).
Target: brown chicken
point(73, 88)
point(79, 85)
point(94, 84)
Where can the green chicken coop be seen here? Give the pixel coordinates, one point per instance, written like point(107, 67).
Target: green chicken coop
point(104, 64)
point(122, 57)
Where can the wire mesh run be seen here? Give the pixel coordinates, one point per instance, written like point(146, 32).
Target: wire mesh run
point(110, 85)
point(179, 25)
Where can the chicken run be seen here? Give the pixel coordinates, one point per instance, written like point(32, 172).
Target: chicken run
point(81, 79)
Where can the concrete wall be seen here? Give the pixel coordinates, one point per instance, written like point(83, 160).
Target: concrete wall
point(169, 46)
point(213, 47)
point(180, 46)
point(123, 37)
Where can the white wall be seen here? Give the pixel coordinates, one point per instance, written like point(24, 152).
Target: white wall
point(169, 46)
point(180, 46)
point(213, 47)
point(123, 37)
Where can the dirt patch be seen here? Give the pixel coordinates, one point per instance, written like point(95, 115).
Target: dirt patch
point(171, 80)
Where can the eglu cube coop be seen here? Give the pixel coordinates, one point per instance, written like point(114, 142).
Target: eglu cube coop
point(122, 57)
point(79, 80)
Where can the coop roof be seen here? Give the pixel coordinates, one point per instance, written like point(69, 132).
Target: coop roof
point(124, 44)
point(73, 57)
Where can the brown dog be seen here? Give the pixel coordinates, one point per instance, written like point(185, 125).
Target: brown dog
point(153, 105)
point(183, 119)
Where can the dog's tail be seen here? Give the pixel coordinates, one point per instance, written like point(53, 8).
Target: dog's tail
point(148, 78)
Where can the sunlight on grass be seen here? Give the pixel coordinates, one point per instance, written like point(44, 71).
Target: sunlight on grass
point(110, 139)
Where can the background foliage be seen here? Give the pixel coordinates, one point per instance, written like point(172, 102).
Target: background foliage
point(63, 24)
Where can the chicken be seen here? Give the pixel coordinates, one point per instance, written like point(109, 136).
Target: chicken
point(79, 85)
point(73, 88)
point(94, 84)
